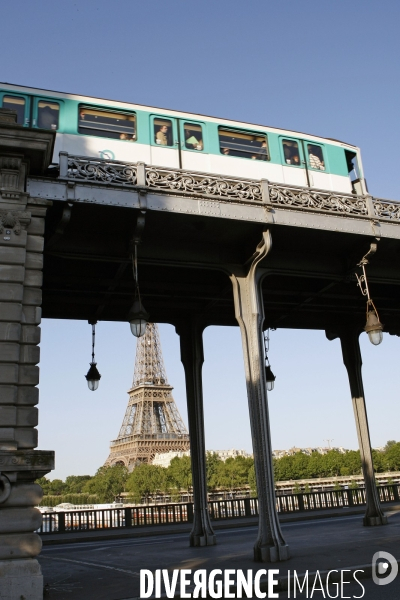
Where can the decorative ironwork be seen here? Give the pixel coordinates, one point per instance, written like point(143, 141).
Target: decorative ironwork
point(102, 171)
point(113, 172)
point(387, 209)
point(152, 423)
point(205, 185)
point(289, 197)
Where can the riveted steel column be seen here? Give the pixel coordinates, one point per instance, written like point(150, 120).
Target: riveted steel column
point(191, 341)
point(352, 359)
point(270, 545)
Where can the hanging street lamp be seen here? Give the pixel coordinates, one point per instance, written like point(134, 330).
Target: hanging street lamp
point(269, 376)
point(93, 376)
point(373, 326)
point(138, 316)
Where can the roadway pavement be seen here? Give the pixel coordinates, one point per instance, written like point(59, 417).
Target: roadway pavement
point(94, 569)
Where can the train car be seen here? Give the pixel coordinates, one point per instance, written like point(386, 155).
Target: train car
point(127, 132)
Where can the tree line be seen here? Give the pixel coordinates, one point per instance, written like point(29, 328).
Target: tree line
point(232, 474)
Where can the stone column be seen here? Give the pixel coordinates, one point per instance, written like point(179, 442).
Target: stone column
point(191, 341)
point(270, 545)
point(21, 255)
point(349, 340)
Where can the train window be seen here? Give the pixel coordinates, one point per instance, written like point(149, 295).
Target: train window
point(16, 103)
point(244, 145)
point(48, 115)
point(291, 152)
point(193, 136)
point(104, 123)
point(163, 132)
point(315, 157)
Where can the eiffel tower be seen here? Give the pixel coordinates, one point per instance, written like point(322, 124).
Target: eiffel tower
point(152, 423)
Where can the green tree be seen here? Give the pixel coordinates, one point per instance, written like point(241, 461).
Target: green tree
point(389, 444)
point(234, 472)
point(108, 483)
point(392, 457)
point(74, 484)
point(351, 463)
point(44, 484)
point(213, 463)
point(252, 480)
point(55, 487)
point(146, 480)
point(297, 489)
point(180, 472)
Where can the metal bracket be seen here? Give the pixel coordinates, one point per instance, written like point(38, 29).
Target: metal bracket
point(362, 281)
point(61, 225)
point(140, 223)
point(70, 191)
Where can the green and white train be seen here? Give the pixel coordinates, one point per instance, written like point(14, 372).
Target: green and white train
point(126, 132)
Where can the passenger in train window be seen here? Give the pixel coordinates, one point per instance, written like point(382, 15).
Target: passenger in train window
point(193, 136)
point(125, 136)
point(262, 153)
point(225, 151)
point(287, 153)
point(315, 157)
point(48, 115)
point(161, 136)
point(291, 152)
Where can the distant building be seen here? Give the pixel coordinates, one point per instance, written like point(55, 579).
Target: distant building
point(164, 459)
point(233, 453)
point(308, 451)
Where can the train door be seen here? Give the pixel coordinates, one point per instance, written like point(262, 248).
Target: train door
point(316, 165)
point(21, 103)
point(164, 142)
point(294, 168)
point(354, 170)
point(193, 146)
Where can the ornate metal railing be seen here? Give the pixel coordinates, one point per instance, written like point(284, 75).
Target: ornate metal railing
point(210, 186)
point(221, 188)
point(137, 516)
point(317, 200)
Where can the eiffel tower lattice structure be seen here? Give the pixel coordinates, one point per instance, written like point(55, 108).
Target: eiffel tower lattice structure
point(152, 423)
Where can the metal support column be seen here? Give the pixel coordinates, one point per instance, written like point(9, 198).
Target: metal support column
point(191, 341)
point(352, 359)
point(270, 545)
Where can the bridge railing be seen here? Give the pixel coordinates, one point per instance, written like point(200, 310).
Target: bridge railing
point(137, 516)
point(139, 176)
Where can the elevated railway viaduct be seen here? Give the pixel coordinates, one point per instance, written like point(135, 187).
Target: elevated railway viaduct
point(211, 251)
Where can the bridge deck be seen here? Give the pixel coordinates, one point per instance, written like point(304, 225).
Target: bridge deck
point(198, 228)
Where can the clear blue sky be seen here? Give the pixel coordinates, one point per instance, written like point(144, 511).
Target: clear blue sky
point(329, 68)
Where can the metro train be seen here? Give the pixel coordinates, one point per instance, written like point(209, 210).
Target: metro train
point(127, 132)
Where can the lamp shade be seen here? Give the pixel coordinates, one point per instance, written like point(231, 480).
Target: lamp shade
point(93, 377)
point(374, 328)
point(138, 318)
point(270, 377)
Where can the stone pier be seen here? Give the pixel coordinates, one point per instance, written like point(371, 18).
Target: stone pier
point(21, 261)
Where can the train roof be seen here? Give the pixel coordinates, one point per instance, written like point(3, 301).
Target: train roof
point(170, 112)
